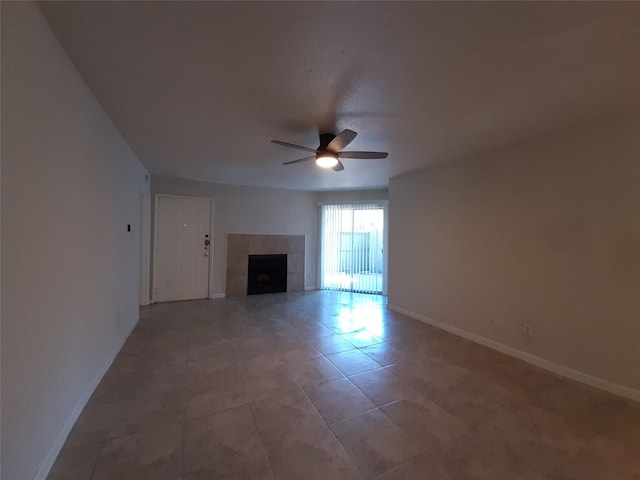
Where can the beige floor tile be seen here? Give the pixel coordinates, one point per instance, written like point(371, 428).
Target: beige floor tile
point(225, 441)
point(543, 423)
point(426, 466)
point(315, 371)
point(215, 400)
point(206, 346)
point(623, 448)
point(199, 381)
point(352, 362)
point(308, 454)
point(381, 386)
point(289, 411)
point(507, 395)
point(483, 457)
point(386, 353)
point(429, 425)
point(148, 386)
point(470, 407)
point(584, 408)
point(587, 466)
point(425, 376)
point(312, 330)
point(344, 321)
point(338, 399)
point(297, 352)
point(375, 443)
point(361, 338)
point(260, 380)
point(111, 389)
point(93, 424)
point(212, 364)
point(475, 357)
point(524, 446)
point(333, 344)
point(154, 454)
point(229, 471)
point(141, 414)
point(75, 462)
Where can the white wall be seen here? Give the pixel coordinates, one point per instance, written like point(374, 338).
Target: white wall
point(250, 210)
point(545, 231)
point(70, 270)
point(349, 196)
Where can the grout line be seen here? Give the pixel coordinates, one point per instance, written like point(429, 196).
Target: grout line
point(264, 450)
point(304, 392)
point(355, 415)
point(104, 439)
point(328, 427)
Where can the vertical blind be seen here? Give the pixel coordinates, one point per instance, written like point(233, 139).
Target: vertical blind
point(352, 248)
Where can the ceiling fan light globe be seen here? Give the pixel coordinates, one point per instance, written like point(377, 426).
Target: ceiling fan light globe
point(326, 161)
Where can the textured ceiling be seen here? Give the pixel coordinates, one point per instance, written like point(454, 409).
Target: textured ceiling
point(199, 88)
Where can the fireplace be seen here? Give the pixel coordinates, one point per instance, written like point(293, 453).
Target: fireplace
point(242, 245)
point(267, 274)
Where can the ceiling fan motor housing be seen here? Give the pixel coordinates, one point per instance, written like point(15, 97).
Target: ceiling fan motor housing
point(325, 140)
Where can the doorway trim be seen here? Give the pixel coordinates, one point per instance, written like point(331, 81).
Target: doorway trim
point(156, 197)
point(145, 247)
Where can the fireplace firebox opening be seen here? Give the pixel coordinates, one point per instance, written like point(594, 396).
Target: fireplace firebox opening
point(267, 274)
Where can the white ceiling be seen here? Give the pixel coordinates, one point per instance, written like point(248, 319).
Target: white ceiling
point(200, 88)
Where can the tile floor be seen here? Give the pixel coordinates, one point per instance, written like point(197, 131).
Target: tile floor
point(326, 385)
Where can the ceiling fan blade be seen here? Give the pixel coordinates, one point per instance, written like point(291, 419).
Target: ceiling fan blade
point(363, 154)
point(339, 166)
point(343, 139)
point(305, 159)
point(291, 145)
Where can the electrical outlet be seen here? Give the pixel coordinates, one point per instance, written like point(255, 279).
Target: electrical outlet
point(527, 329)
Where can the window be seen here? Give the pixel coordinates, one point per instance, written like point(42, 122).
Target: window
point(352, 250)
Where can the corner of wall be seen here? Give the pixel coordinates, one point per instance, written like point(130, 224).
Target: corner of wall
point(553, 367)
point(51, 456)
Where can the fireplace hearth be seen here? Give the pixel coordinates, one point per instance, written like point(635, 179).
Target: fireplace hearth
point(267, 274)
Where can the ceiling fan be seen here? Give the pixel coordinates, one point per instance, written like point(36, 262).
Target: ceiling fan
point(330, 151)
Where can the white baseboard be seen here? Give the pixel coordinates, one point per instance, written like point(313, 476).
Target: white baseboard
point(556, 368)
point(312, 287)
point(46, 465)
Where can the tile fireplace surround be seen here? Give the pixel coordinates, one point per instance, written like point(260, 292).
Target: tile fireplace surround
point(240, 246)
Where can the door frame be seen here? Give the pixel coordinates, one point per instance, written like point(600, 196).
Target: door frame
point(156, 197)
point(145, 247)
point(384, 206)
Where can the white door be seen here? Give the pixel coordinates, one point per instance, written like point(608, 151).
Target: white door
point(182, 248)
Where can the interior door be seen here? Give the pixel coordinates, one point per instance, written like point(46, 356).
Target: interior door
point(182, 248)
